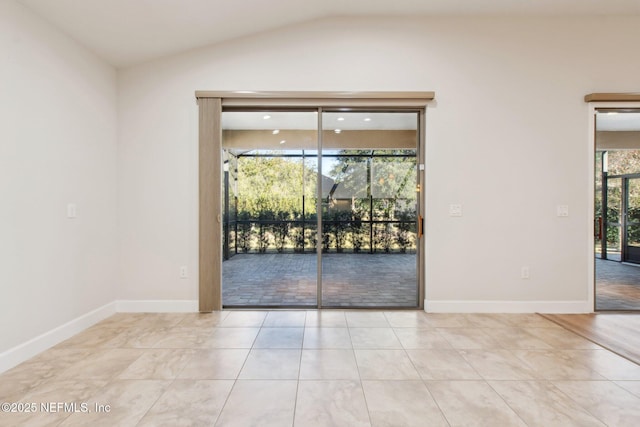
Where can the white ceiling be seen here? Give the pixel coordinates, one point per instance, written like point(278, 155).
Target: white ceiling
point(275, 120)
point(126, 32)
point(624, 120)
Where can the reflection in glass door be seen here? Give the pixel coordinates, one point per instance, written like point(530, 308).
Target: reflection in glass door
point(369, 209)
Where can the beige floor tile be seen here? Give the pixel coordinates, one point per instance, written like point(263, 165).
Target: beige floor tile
point(46, 366)
point(327, 338)
point(157, 364)
point(515, 338)
point(58, 358)
point(631, 386)
point(138, 337)
point(232, 338)
point(328, 365)
point(366, 319)
point(472, 403)
point(374, 338)
point(498, 365)
point(160, 320)
point(189, 403)
point(553, 365)
point(179, 337)
point(214, 364)
point(385, 365)
point(123, 320)
point(407, 319)
point(326, 319)
point(607, 401)
point(259, 403)
point(13, 390)
point(442, 365)
point(448, 320)
point(606, 363)
point(421, 338)
point(203, 320)
point(271, 364)
point(486, 320)
point(331, 403)
point(30, 414)
point(94, 337)
point(65, 391)
point(244, 319)
point(127, 400)
point(287, 319)
point(401, 403)
point(46, 398)
point(279, 338)
point(529, 320)
point(102, 364)
point(201, 369)
point(539, 403)
point(559, 338)
point(467, 338)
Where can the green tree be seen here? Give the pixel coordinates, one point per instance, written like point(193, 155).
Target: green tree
point(381, 185)
point(270, 191)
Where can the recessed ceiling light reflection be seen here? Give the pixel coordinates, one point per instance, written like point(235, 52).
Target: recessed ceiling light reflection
point(266, 117)
point(283, 141)
point(276, 131)
point(340, 119)
point(338, 130)
point(367, 119)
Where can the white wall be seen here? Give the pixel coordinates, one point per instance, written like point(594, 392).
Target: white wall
point(58, 139)
point(506, 137)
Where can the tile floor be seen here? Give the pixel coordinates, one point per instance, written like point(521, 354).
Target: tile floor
point(324, 368)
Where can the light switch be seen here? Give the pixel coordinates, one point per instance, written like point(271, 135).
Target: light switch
point(72, 210)
point(563, 210)
point(455, 210)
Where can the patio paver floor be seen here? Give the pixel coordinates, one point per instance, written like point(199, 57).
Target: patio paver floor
point(349, 280)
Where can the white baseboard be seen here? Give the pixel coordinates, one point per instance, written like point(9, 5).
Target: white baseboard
point(25, 351)
point(565, 307)
point(157, 306)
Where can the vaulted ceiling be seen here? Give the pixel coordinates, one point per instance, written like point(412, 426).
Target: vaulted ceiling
point(126, 32)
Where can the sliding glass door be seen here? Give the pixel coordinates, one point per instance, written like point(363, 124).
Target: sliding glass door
point(369, 209)
point(321, 208)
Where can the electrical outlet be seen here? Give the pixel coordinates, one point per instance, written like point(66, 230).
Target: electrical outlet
point(183, 272)
point(524, 272)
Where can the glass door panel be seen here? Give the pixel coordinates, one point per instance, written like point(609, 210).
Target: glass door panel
point(369, 209)
point(598, 226)
point(270, 214)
